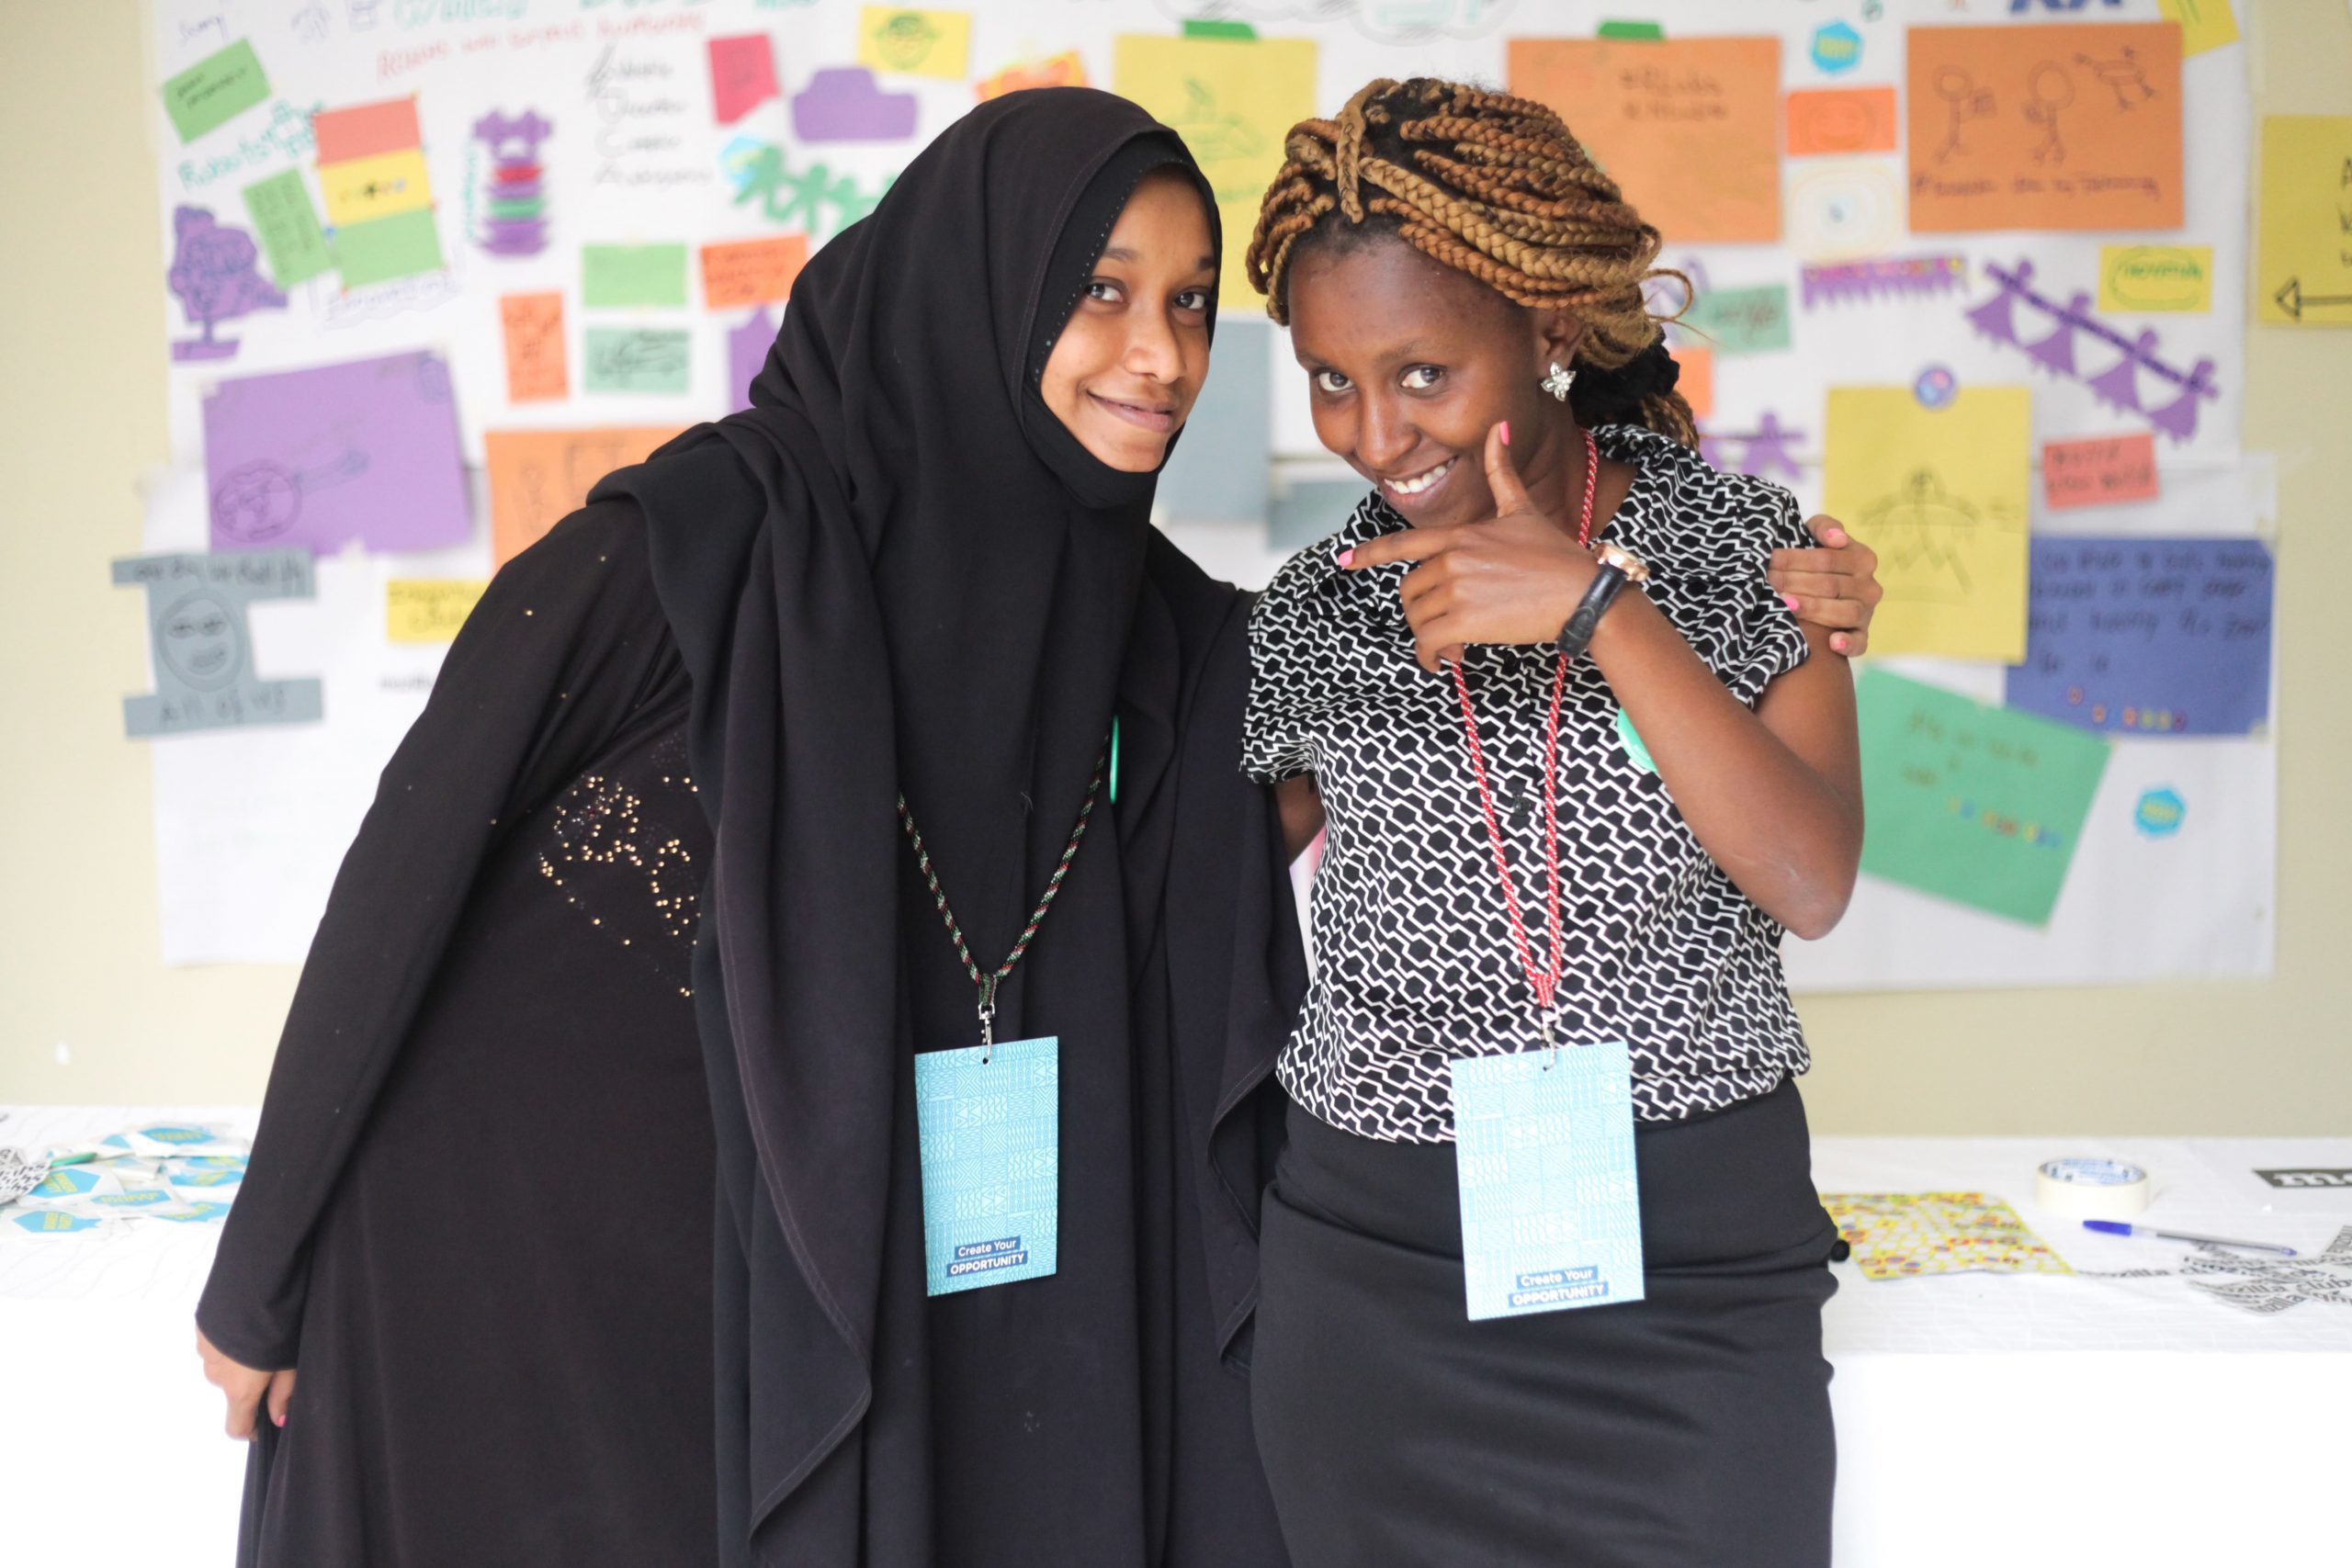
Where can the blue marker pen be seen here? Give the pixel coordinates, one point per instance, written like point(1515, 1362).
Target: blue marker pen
point(2118, 1227)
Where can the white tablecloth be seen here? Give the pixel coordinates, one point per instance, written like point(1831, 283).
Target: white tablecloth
point(1980, 1419)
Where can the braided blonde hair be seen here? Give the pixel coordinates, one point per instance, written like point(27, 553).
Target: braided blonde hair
point(1496, 187)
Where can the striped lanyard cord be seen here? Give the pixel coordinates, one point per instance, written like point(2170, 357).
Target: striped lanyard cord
point(989, 984)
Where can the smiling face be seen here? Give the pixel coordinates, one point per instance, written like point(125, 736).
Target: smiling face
point(198, 640)
point(1124, 373)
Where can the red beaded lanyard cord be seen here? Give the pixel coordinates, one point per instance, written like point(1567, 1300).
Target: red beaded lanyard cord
point(989, 983)
point(1544, 982)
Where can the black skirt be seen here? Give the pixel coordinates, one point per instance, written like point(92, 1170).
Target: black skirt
point(1689, 1428)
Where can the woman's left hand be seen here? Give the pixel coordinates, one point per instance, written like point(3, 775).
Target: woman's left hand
point(1834, 586)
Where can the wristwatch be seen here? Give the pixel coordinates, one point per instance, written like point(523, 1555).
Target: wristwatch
point(1619, 565)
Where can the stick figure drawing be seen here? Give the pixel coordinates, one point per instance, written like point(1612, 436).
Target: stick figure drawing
point(2048, 90)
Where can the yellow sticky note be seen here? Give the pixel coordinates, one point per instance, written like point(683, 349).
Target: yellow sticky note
point(2155, 278)
point(915, 43)
point(428, 609)
point(2304, 275)
point(377, 187)
point(1233, 101)
point(2204, 24)
point(1942, 495)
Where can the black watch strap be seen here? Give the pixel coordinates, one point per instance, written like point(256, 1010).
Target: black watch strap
point(1577, 635)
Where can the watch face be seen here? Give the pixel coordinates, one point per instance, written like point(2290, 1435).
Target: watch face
point(1625, 560)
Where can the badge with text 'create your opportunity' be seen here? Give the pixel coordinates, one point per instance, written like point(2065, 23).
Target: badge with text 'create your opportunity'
point(988, 1121)
point(1551, 1205)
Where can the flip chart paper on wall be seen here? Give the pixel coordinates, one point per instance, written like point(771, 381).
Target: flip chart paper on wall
point(1688, 128)
point(2304, 276)
point(538, 476)
point(917, 43)
point(1942, 495)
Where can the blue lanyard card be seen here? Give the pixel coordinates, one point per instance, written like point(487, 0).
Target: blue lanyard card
point(988, 1119)
point(1551, 1207)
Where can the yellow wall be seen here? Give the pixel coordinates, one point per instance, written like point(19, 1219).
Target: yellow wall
point(82, 407)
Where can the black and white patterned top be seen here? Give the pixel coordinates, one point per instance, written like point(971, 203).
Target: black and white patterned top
point(1414, 960)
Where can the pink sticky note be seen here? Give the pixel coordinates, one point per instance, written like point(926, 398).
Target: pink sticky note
point(742, 75)
point(2099, 471)
point(364, 129)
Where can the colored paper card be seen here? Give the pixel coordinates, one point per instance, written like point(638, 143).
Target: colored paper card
point(1941, 494)
point(536, 365)
point(1639, 32)
point(317, 457)
point(215, 90)
point(1222, 470)
point(750, 272)
point(635, 359)
point(2305, 221)
point(1216, 26)
point(2155, 278)
point(844, 102)
point(2162, 636)
point(288, 226)
point(386, 248)
point(915, 43)
point(1741, 320)
point(364, 130)
point(360, 189)
point(2204, 24)
point(2099, 471)
point(1696, 380)
point(742, 75)
point(1689, 128)
point(632, 275)
point(2049, 126)
point(1067, 69)
point(428, 609)
point(1979, 805)
point(1842, 119)
point(988, 1125)
point(1233, 101)
point(203, 646)
point(747, 356)
point(537, 477)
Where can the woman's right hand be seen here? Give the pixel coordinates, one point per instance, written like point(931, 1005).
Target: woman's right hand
point(246, 1388)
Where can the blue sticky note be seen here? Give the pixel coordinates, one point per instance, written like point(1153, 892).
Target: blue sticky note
point(988, 1122)
point(1551, 1207)
point(2148, 637)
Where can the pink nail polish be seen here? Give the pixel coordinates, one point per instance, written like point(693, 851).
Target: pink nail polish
point(279, 1419)
point(1348, 556)
point(1789, 600)
point(1506, 433)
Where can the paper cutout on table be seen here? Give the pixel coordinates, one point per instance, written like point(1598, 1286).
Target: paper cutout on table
point(317, 457)
point(514, 210)
point(1837, 47)
point(1983, 805)
point(2204, 24)
point(844, 102)
point(1222, 470)
point(2304, 221)
point(377, 192)
point(1842, 119)
point(1738, 320)
point(1942, 495)
point(2161, 636)
point(2117, 385)
point(2155, 278)
point(915, 43)
point(748, 271)
point(1894, 278)
point(1840, 208)
point(215, 90)
point(635, 359)
point(1233, 101)
point(747, 356)
point(363, 130)
point(429, 609)
point(1896, 1235)
point(1695, 377)
point(2099, 471)
point(1763, 450)
point(215, 275)
point(536, 477)
point(619, 275)
point(1067, 69)
point(742, 75)
point(812, 197)
point(2252, 1282)
point(2066, 125)
point(537, 369)
point(1688, 128)
point(202, 645)
point(287, 227)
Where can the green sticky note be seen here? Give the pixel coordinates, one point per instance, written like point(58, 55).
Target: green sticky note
point(632, 275)
point(384, 248)
point(636, 359)
point(1742, 320)
point(1983, 805)
point(216, 88)
point(288, 226)
point(1647, 32)
point(1243, 31)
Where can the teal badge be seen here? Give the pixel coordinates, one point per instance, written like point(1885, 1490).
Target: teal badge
point(988, 1118)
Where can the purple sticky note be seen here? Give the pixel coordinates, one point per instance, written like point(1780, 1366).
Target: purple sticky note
point(844, 102)
point(311, 459)
point(2150, 637)
point(747, 354)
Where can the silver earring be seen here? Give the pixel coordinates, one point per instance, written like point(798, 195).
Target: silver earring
point(1559, 382)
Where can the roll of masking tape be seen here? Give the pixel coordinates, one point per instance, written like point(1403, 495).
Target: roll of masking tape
point(2091, 1189)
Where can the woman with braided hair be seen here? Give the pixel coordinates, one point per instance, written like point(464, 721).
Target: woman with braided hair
point(1582, 766)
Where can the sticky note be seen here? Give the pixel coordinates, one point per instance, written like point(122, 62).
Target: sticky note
point(364, 130)
point(287, 227)
point(635, 359)
point(428, 609)
point(915, 43)
point(747, 356)
point(844, 102)
point(747, 272)
point(1842, 119)
point(742, 75)
point(215, 90)
point(1688, 128)
point(1741, 320)
point(1696, 381)
point(2099, 472)
point(379, 185)
point(1638, 32)
point(537, 477)
point(2304, 224)
point(2155, 278)
point(1942, 495)
point(386, 248)
point(202, 644)
point(535, 364)
point(1067, 69)
point(2204, 24)
point(632, 275)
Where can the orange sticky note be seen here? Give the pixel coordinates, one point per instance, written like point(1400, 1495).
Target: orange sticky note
point(1063, 70)
point(1842, 119)
point(538, 476)
point(1697, 381)
point(2064, 125)
point(1688, 128)
point(536, 367)
point(365, 130)
point(2100, 470)
point(751, 272)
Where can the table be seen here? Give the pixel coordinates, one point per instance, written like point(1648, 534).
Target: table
point(2019, 1420)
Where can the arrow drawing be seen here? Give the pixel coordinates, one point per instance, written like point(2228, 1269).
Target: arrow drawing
point(2291, 299)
